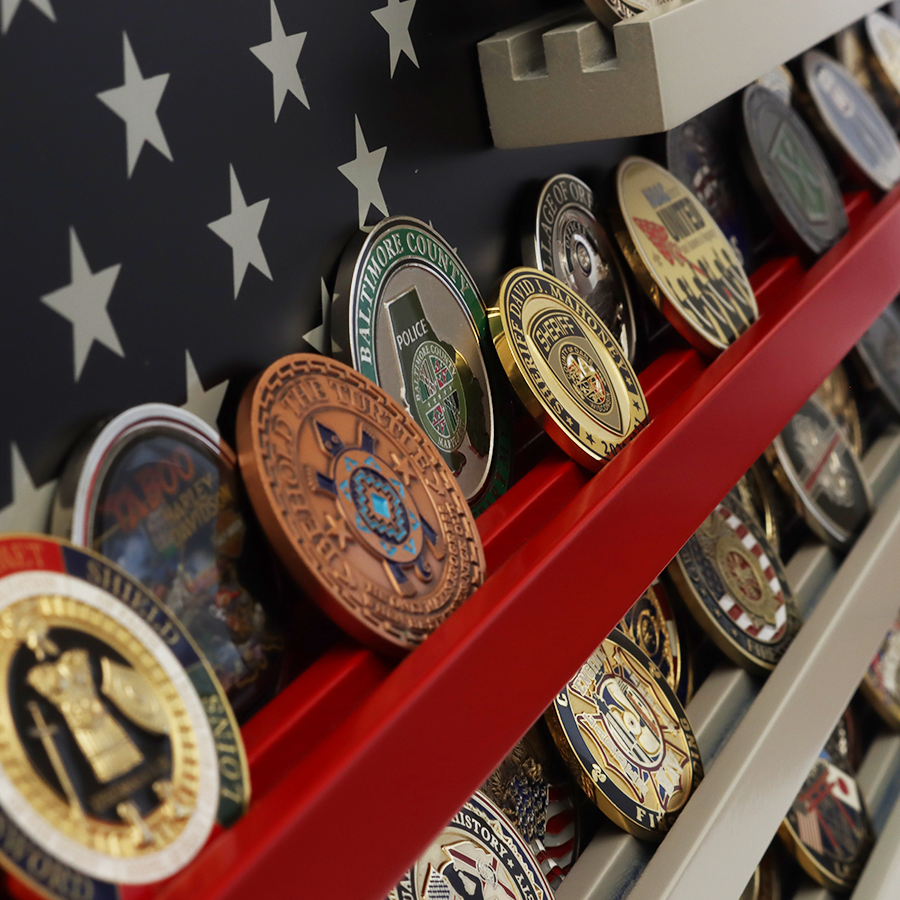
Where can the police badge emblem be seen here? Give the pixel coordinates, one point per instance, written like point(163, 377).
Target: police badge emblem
point(735, 587)
point(478, 856)
point(625, 737)
point(408, 316)
point(110, 772)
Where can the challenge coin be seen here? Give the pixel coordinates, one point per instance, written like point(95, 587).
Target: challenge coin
point(651, 624)
point(766, 881)
point(536, 794)
point(837, 397)
point(157, 492)
point(850, 51)
point(754, 493)
point(842, 747)
point(625, 736)
point(118, 750)
point(879, 351)
point(881, 684)
point(357, 501)
point(695, 158)
point(790, 173)
point(565, 240)
point(852, 120)
point(827, 829)
point(735, 587)
point(608, 12)
point(566, 367)
point(409, 317)
point(680, 256)
point(881, 51)
point(815, 465)
point(478, 855)
point(780, 82)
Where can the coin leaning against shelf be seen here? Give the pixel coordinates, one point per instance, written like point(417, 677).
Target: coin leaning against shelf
point(409, 317)
point(561, 236)
point(881, 684)
point(651, 624)
point(851, 121)
point(827, 829)
point(882, 54)
point(608, 12)
point(879, 352)
point(766, 881)
point(780, 82)
point(118, 750)
point(754, 493)
point(566, 367)
point(836, 395)
point(680, 256)
point(790, 173)
point(478, 854)
point(625, 736)
point(536, 793)
point(156, 491)
point(817, 468)
point(735, 587)
point(695, 158)
point(356, 500)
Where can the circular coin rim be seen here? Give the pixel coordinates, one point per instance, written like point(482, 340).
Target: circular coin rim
point(881, 700)
point(583, 776)
point(889, 391)
point(533, 257)
point(625, 233)
point(708, 620)
point(201, 660)
point(807, 859)
point(822, 526)
point(270, 517)
point(874, 57)
point(345, 316)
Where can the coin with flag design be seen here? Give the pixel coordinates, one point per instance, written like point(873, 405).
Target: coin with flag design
point(410, 318)
point(735, 586)
point(626, 738)
point(479, 854)
point(827, 828)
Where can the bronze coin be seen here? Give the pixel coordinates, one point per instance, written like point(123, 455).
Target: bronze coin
point(358, 503)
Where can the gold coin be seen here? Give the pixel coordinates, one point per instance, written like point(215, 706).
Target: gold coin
point(566, 367)
point(680, 257)
point(837, 396)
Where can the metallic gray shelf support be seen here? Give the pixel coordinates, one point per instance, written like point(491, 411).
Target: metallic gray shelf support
point(563, 78)
point(612, 864)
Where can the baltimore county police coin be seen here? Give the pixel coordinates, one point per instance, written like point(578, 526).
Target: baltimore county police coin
point(754, 492)
point(879, 351)
point(681, 257)
point(790, 173)
point(626, 738)
point(881, 684)
point(538, 796)
point(565, 239)
point(780, 82)
point(118, 751)
point(566, 367)
point(478, 856)
point(735, 587)
point(357, 501)
point(651, 624)
point(816, 467)
point(695, 158)
point(409, 317)
point(157, 492)
point(852, 120)
point(836, 396)
point(827, 829)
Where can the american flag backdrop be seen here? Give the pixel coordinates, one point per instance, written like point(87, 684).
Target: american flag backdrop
point(178, 180)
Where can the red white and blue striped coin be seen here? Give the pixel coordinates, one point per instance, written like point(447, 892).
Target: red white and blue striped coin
point(735, 587)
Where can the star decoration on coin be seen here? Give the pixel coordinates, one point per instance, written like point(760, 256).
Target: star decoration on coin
point(394, 19)
point(337, 529)
point(29, 508)
point(83, 302)
point(280, 56)
point(240, 230)
point(8, 10)
point(402, 468)
point(363, 173)
point(203, 403)
point(135, 102)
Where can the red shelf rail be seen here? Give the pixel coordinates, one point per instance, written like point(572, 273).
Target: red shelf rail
point(359, 761)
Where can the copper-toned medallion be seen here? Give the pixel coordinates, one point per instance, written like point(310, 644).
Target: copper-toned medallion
point(356, 500)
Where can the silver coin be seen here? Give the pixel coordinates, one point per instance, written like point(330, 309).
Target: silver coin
point(879, 350)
